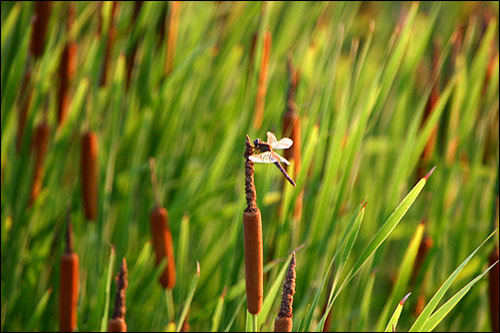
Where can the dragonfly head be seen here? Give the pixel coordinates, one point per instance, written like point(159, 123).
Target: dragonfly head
point(256, 142)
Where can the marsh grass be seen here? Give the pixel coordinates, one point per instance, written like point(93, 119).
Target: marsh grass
point(365, 79)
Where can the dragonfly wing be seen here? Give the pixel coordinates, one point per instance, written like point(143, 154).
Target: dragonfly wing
point(271, 138)
point(282, 159)
point(282, 144)
point(263, 158)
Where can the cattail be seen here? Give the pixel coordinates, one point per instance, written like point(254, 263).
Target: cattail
point(68, 294)
point(429, 108)
point(291, 129)
point(173, 28)
point(284, 321)
point(261, 92)
point(424, 248)
point(252, 227)
point(67, 69)
point(162, 237)
point(25, 102)
point(40, 144)
point(494, 290)
point(41, 17)
point(90, 174)
point(133, 50)
point(117, 322)
point(109, 45)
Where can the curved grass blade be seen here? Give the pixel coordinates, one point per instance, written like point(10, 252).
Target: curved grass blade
point(391, 325)
point(104, 320)
point(443, 311)
point(37, 314)
point(419, 323)
point(389, 225)
point(218, 312)
point(240, 304)
point(403, 275)
point(309, 314)
point(192, 288)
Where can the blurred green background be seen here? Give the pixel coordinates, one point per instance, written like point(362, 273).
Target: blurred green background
point(366, 74)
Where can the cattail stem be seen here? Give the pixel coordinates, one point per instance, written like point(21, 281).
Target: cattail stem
point(89, 174)
point(284, 321)
point(494, 290)
point(173, 28)
point(68, 294)
point(40, 145)
point(262, 89)
point(67, 69)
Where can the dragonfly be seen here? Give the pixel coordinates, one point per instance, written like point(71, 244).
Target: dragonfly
point(267, 155)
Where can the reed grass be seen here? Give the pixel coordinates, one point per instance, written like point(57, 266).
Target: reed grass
point(365, 79)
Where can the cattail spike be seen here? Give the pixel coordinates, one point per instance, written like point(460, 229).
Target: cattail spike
point(251, 194)
point(284, 321)
point(121, 285)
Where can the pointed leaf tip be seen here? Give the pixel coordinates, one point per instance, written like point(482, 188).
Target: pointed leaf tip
point(429, 173)
point(405, 298)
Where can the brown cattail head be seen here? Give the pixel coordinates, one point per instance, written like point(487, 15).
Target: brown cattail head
point(286, 309)
point(163, 245)
point(117, 322)
point(67, 69)
point(424, 248)
point(90, 174)
point(41, 17)
point(494, 290)
point(133, 50)
point(284, 321)
point(173, 28)
point(250, 193)
point(252, 228)
point(262, 89)
point(291, 129)
point(40, 145)
point(109, 45)
point(25, 102)
point(429, 108)
point(68, 287)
